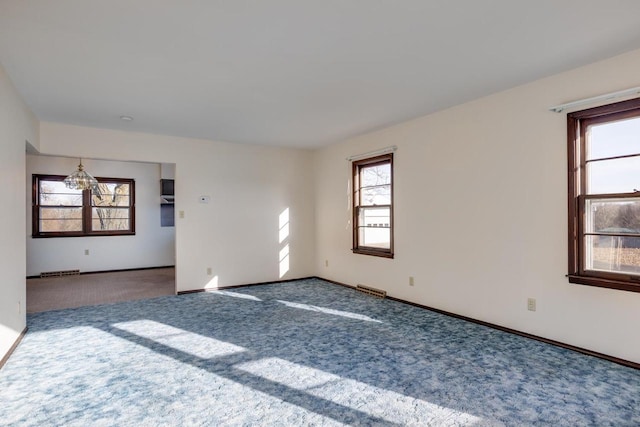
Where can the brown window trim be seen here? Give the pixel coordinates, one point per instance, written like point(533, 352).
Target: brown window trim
point(368, 250)
point(86, 210)
point(577, 122)
point(373, 252)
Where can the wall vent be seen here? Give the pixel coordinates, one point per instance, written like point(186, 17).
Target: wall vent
point(371, 291)
point(59, 273)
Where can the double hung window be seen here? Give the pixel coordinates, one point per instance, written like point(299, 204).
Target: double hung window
point(373, 206)
point(59, 211)
point(604, 196)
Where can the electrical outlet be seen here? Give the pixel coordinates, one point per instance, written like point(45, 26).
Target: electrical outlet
point(326, 263)
point(181, 214)
point(410, 280)
point(86, 251)
point(531, 304)
point(209, 271)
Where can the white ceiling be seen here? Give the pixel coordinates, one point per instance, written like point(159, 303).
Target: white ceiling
point(300, 73)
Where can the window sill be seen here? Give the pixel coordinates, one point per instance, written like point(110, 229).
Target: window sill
point(600, 282)
point(96, 234)
point(373, 252)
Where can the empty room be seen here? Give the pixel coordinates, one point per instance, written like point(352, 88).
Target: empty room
point(330, 212)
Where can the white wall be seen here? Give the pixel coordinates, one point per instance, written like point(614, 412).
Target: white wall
point(237, 233)
point(17, 125)
point(481, 214)
point(168, 171)
point(152, 245)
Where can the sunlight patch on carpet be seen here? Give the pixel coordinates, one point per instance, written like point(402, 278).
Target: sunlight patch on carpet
point(329, 311)
point(377, 402)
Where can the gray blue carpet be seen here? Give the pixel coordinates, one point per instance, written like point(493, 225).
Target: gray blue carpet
point(298, 353)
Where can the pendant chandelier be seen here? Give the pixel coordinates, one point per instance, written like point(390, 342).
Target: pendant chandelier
point(81, 180)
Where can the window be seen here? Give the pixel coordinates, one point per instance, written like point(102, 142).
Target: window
point(604, 196)
point(61, 212)
point(373, 206)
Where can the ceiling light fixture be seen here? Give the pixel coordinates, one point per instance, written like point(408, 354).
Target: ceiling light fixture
point(126, 118)
point(81, 180)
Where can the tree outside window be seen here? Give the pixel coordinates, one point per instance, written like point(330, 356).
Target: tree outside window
point(62, 212)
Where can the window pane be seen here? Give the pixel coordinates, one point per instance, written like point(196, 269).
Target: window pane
point(376, 195)
point(613, 253)
point(375, 237)
point(613, 216)
point(60, 213)
point(110, 224)
point(55, 193)
point(376, 175)
point(60, 225)
point(375, 217)
point(110, 213)
point(109, 200)
point(613, 176)
point(60, 219)
point(50, 199)
point(614, 139)
point(108, 219)
point(107, 188)
point(111, 194)
point(56, 187)
point(375, 230)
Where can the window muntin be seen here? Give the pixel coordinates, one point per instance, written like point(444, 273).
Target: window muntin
point(373, 206)
point(604, 204)
point(62, 212)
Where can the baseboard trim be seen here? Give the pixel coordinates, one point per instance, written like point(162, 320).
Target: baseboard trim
point(336, 283)
point(220, 288)
point(115, 271)
point(577, 349)
point(13, 347)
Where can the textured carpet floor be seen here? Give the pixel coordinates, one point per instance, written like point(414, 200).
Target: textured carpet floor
point(299, 353)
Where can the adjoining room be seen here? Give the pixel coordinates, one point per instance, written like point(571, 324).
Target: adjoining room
point(127, 251)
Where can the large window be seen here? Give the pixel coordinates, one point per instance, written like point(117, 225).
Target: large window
point(373, 206)
point(61, 212)
point(604, 196)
